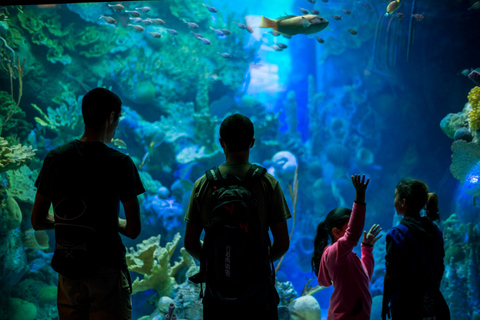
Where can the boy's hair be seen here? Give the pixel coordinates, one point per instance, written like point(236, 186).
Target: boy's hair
point(237, 132)
point(97, 105)
point(416, 195)
point(335, 219)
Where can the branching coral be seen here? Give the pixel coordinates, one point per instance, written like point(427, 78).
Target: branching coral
point(153, 261)
point(13, 157)
point(474, 114)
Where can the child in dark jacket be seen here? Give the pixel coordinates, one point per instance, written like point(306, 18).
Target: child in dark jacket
point(414, 259)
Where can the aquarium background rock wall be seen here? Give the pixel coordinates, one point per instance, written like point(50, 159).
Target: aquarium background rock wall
point(385, 96)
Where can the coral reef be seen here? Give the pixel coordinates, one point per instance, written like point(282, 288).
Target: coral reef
point(474, 114)
point(456, 297)
point(36, 240)
point(153, 262)
point(453, 122)
point(48, 295)
point(168, 211)
point(13, 257)
point(66, 121)
point(19, 309)
point(151, 185)
point(286, 291)
point(13, 215)
point(466, 165)
point(460, 285)
point(21, 184)
point(13, 157)
point(187, 302)
point(463, 134)
point(305, 308)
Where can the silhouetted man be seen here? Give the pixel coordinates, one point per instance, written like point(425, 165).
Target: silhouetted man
point(85, 180)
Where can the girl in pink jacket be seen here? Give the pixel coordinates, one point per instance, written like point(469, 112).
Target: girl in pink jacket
point(337, 264)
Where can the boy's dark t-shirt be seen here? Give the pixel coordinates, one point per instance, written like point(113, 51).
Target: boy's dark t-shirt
point(99, 177)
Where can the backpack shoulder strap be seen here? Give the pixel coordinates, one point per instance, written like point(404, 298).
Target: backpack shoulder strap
point(253, 175)
point(402, 228)
point(214, 176)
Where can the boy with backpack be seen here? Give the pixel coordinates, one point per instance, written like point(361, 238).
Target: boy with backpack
point(236, 203)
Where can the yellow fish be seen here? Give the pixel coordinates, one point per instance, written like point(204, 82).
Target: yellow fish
point(119, 143)
point(292, 25)
point(392, 6)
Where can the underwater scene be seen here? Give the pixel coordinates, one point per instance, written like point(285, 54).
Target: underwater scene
point(389, 89)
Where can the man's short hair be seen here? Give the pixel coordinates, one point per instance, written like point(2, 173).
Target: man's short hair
point(97, 105)
point(237, 132)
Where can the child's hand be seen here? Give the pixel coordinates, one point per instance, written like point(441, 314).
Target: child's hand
point(370, 238)
point(360, 186)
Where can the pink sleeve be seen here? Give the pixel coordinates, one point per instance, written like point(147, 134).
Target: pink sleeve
point(368, 261)
point(340, 249)
point(323, 276)
point(345, 244)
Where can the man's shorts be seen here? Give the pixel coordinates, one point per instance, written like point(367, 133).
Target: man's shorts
point(103, 296)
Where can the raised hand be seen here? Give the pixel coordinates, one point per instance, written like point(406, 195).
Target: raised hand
point(372, 236)
point(360, 186)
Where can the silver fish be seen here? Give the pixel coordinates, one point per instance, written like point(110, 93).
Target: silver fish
point(155, 34)
point(241, 26)
point(143, 9)
point(192, 25)
point(206, 41)
point(211, 9)
point(136, 27)
point(133, 13)
point(158, 21)
point(172, 31)
point(136, 20)
point(197, 35)
point(147, 22)
point(218, 32)
point(304, 11)
point(225, 55)
point(108, 19)
point(116, 7)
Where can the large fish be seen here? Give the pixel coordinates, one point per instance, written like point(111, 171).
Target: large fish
point(292, 25)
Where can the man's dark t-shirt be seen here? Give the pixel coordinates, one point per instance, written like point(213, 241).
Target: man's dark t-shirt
point(97, 177)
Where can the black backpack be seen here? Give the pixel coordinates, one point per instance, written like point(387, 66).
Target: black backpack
point(234, 261)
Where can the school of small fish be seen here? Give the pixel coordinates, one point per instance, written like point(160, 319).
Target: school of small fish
point(136, 20)
point(309, 22)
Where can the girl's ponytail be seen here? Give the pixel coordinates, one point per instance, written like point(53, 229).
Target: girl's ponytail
point(335, 219)
point(431, 208)
point(319, 244)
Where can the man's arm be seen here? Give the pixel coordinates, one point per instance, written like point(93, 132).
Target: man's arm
point(192, 242)
point(131, 226)
point(281, 240)
point(41, 219)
